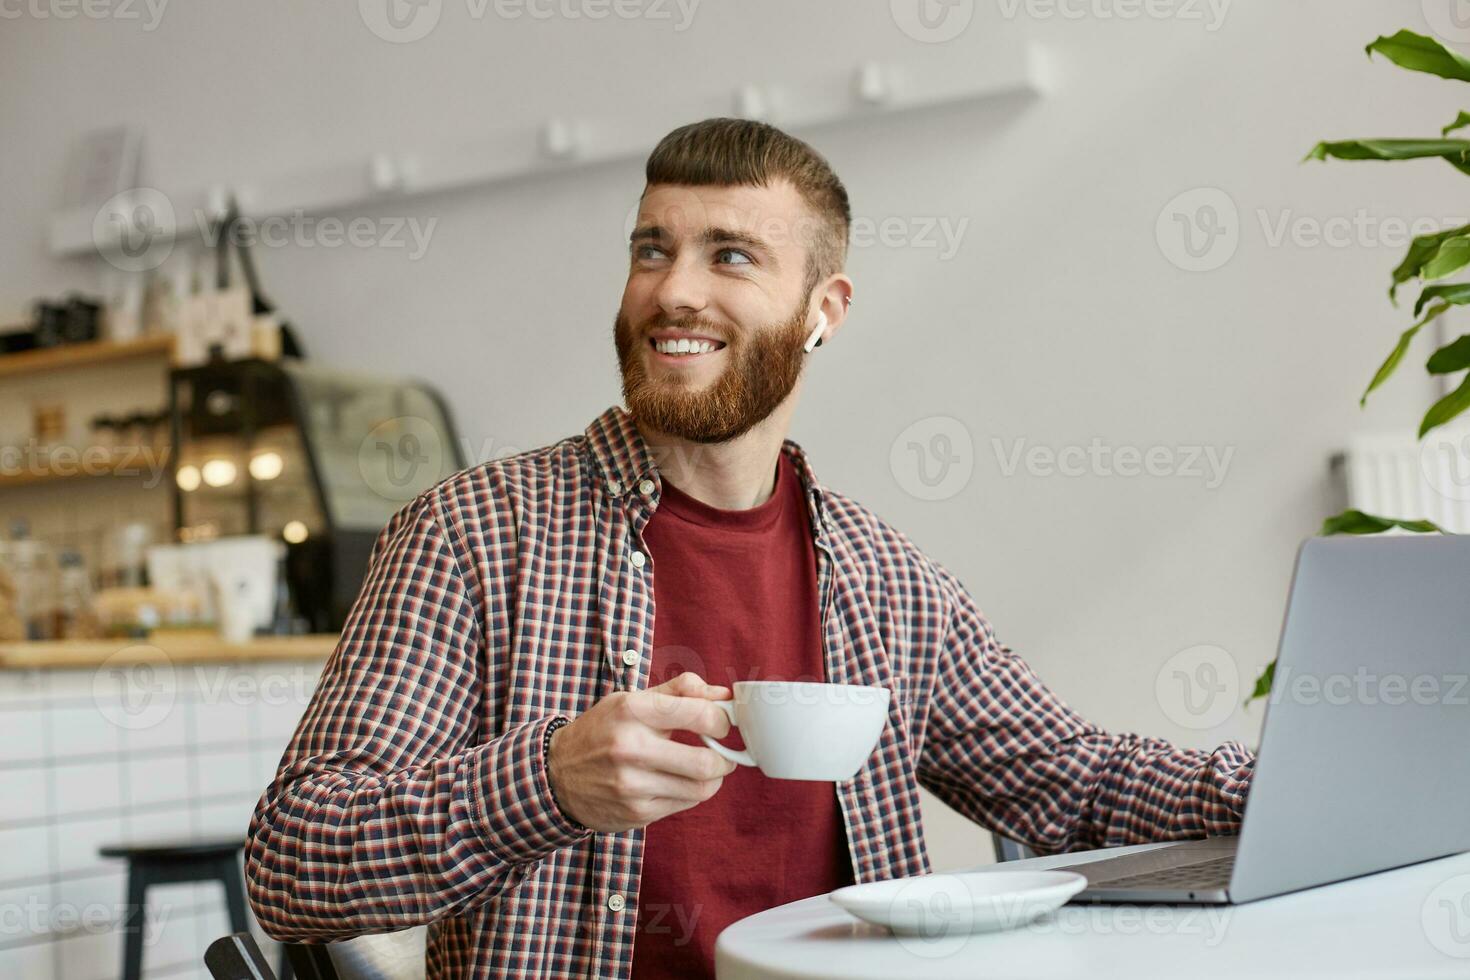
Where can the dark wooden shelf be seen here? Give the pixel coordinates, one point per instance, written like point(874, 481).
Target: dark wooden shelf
point(80, 355)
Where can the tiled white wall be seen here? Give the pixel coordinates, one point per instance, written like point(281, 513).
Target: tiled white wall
point(86, 760)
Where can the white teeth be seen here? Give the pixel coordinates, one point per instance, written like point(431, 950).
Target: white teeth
point(684, 346)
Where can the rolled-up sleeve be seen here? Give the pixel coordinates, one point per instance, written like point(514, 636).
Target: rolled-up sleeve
point(1010, 755)
point(391, 806)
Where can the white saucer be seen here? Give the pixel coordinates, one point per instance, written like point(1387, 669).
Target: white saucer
point(953, 904)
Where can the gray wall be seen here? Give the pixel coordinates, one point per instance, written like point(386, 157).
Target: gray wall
point(1059, 319)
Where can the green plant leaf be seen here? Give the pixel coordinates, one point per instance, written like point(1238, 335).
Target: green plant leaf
point(1461, 121)
point(1263, 684)
point(1452, 255)
point(1397, 354)
point(1456, 152)
point(1357, 522)
point(1446, 408)
point(1456, 294)
point(1421, 250)
point(1419, 53)
point(1451, 357)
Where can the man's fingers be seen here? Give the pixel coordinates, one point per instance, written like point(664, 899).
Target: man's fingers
point(687, 761)
point(691, 685)
point(658, 785)
point(667, 712)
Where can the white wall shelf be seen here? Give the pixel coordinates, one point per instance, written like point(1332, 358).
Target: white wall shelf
point(561, 144)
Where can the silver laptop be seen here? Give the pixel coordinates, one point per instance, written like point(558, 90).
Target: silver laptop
point(1363, 763)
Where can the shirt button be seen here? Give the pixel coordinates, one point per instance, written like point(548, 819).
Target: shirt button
point(615, 902)
point(645, 487)
point(638, 559)
point(630, 657)
point(614, 487)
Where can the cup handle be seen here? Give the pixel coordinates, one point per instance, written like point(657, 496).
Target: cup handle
point(743, 758)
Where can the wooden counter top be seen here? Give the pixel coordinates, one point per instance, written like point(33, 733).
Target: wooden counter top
point(178, 646)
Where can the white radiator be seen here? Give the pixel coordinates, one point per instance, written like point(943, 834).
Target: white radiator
point(1393, 475)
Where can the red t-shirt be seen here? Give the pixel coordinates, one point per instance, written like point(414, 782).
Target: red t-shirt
point(735, 595)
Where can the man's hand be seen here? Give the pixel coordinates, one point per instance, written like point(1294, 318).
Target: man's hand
point(615, 767)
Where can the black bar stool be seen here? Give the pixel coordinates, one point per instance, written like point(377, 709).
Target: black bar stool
point(172, 862)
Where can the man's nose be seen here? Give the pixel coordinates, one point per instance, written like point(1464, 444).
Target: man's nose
point(682, 290)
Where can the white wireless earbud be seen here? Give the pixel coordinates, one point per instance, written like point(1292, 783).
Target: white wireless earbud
point(815, 340)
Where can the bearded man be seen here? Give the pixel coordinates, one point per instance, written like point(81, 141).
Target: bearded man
point(505, 742)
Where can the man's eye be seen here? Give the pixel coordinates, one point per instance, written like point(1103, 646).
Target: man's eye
point(646, 251)
point(741, 257)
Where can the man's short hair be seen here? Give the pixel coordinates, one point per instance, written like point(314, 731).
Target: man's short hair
point(729, 152)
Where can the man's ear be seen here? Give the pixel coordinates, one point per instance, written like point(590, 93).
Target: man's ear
point(836, 299)
point(815, 339)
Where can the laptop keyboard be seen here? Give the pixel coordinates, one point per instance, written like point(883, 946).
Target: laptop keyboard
point(1214, 873)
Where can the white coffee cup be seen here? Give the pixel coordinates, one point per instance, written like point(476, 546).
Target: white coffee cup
point(805, 730)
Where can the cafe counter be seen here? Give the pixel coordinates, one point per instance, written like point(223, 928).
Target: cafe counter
point(178, 647)
point(171, 737)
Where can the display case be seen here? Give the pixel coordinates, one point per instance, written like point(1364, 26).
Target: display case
point(320, 458)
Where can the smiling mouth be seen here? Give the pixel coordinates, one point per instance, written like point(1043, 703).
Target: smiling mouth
point(684, 348)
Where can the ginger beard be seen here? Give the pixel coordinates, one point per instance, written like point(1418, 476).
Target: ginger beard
point(763, 367)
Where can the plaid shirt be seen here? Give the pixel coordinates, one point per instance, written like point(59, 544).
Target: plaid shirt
point(414, 789)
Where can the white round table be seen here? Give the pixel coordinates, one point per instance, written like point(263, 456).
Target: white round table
point(1410, 922)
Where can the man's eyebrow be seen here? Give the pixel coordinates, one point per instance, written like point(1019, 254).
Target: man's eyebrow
point(725, 236)
point(648, 233)
point(709, 236)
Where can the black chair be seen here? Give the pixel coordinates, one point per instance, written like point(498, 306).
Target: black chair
point(238, 957)
point(172, 862)
point(380, 956)
point(1009, 850)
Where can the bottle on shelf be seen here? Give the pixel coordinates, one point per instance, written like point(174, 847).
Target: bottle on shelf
point(75, 616)
point(34, 581)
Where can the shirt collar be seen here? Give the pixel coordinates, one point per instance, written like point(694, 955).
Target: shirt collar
point(624, 461)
